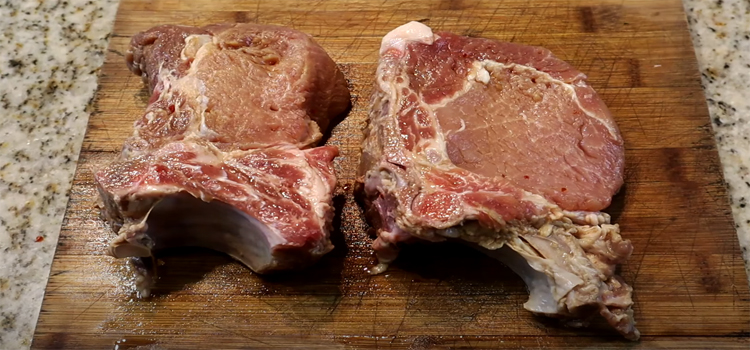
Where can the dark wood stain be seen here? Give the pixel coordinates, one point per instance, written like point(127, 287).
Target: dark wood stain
point(673, 165)
point(634, 72)
point(710, 278)
point(600, 18)
point(587, 19)
point(242, 17)
point(454, 5)
point(608, 17)
point(57, 340)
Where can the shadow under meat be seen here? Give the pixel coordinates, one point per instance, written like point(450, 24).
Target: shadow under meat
point(617, 206)
point(335, 121)
point(324, 276)
point(179, 268)
point(470, 286)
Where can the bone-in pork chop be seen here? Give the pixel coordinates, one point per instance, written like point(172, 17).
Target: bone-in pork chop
point(506, 148)
point(220, 159)
point(239, 86)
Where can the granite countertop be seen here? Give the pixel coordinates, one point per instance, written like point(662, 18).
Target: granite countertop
point(50, 54)
point(721, 35)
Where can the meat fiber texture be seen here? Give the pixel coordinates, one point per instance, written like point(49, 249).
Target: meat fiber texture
point(222, 156)
point(505, 148)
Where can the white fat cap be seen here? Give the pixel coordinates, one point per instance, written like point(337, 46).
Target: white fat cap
point(193, 43)
point(399, 37)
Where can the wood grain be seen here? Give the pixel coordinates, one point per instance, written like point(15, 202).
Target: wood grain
point(691, 290)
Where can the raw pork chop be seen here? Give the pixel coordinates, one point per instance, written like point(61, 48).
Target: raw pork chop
point(219, 159)
point(239, 86)
point(506, 148)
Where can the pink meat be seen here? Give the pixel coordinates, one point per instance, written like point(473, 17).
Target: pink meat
point(539, 110)
point(221, 158)
point(240, 86)
point(506, 148)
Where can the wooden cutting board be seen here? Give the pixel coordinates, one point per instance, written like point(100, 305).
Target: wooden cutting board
point(691, 290)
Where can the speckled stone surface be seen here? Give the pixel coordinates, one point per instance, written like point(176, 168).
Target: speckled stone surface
point(50, 53)
point(721, 35)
